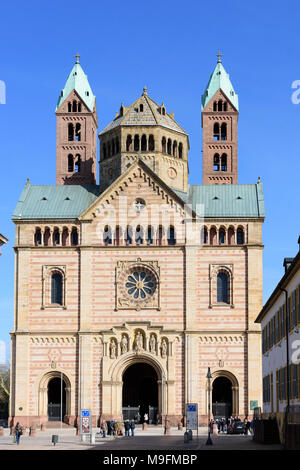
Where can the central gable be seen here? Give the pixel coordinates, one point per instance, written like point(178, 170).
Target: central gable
point(138, 199)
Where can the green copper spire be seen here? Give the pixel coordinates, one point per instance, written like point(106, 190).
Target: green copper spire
point(219, 79)
point(77, 80)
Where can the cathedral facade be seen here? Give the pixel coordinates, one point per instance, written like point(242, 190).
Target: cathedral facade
point(127, 291)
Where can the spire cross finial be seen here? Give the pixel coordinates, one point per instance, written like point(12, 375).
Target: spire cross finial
point(145, 90)
point(219, 55)
point(77, 58)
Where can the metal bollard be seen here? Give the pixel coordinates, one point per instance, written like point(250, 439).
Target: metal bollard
point(186, 437)
point(54, 439)
point(190, 435)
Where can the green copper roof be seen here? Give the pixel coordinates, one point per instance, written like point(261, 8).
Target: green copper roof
point(77, 80)
point(54, 202)
point(219, 79)
point(69, 201)
point(227, 200)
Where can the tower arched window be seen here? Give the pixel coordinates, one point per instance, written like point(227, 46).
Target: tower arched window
point(160, 234)
point(215, 106)
point(136, 143)
point(216, 131)
point(47, 236)
point(224, 131)
point(56, 288)
point(74, 106)
point(144, 143)
point(78, 132)
point(224, 162)
point(222, 287)
point(139, 235)
point(230, 236)
point(129, 143)
point(180, 150)
point(225, 106)
point(56, 237)
point(204, 235)
point(108, 149)
point(113, 147)
point(221, 236)
point(79, 107)
point(141, 108)
point(151, 143)
point(69, 107)
point(216, 162)
point(70, 132)
point(169, 149)
point(107, 237)
point(78, 164)
point(171, 235)
point(74, 236)
point(220, 105)
point(64, 236)
point(213, 236)
point(150, 235)
point(117, 145)
point(174, 148)
point(129, 235)
point(38, 237)
point(240, 236)
point(163, 145)
point(70, 163)
point(118, 235)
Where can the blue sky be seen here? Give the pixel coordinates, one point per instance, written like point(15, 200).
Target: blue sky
point(170, 47)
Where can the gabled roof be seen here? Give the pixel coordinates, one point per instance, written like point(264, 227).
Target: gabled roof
point(70, 201)
point(54, 201)
point(150, 116)
point(219, 79)
point(228, 200)
point(77, 80)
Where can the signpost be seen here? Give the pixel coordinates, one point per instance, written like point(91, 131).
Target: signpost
point(85, 424)
point(191, 412)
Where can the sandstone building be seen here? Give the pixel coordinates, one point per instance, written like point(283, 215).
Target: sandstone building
point(127, 291)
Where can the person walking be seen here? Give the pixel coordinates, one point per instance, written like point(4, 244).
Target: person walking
point(116, 429)
point(145, 418)
point(132, 427)
point(18, 432)
point(103, 429)
point(127, 427)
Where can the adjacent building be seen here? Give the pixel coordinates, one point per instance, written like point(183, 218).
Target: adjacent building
point(280, 324)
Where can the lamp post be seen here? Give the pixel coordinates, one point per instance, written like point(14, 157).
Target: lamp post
point(209, 377)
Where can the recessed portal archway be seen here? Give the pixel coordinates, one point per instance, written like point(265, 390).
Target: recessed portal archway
point(140, 392)
point(56, 399)
point(222, 397)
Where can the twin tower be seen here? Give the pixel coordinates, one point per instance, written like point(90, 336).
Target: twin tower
point(147, 131)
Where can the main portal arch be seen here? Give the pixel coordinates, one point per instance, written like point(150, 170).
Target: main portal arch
point(140, 392)
point(120, 391)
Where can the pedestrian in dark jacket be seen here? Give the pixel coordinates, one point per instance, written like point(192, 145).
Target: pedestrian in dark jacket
point(127, 427)
point(18, 432)
point(132, 427)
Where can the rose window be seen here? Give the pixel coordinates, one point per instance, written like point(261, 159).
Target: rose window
point(140, 284)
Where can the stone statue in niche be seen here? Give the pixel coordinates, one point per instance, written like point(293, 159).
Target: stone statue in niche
point(124, 344)
point(152, 344)
point(164, 348)
point(113, 350)
point(139, 342)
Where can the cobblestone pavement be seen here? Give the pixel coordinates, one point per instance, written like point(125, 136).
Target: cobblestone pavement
point(152, 439)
